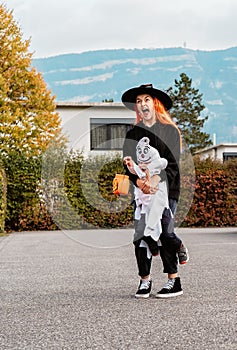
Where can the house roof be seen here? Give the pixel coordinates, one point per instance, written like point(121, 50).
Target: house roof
point(216, 146)
point(88, 104)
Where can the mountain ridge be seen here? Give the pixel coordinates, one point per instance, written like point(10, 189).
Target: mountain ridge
point(93, 76)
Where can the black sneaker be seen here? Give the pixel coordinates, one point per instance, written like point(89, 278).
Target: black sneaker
point(183, 255)
point(171, 289)
point(144, 289)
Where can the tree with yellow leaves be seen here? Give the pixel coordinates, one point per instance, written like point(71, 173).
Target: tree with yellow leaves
point(28, 121)
point(28, 124)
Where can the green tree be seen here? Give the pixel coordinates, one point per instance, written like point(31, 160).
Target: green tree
point(28, 121)
point(187, 108)
point(3, 190)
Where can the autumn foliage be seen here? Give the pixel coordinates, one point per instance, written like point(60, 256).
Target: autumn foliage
point(28, 121)
point(215, 196)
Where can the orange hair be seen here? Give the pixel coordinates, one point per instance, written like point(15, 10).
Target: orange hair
point(161, 114)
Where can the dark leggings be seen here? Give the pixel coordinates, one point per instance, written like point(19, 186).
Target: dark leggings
point(168, 250)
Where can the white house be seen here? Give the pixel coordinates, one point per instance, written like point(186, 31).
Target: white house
point(99, 127)
point(222, 152)
point(95, 127)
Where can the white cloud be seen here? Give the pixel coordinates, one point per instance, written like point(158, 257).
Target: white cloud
point(77, 25)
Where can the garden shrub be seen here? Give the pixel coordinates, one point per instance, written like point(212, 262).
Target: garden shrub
point(24, 209)
point(88, 184)
point(71, 192)
point(3, 189)
point(215, 197)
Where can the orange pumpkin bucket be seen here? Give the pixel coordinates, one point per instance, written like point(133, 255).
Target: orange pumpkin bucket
point(120, 184)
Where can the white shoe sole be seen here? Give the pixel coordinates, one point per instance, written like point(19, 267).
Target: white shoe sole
point(142, 296)
point(169, 295)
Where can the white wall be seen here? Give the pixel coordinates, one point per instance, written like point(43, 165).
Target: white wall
point(76, 120)
point(216, 152)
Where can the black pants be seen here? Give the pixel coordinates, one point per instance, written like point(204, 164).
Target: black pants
point(168, 251)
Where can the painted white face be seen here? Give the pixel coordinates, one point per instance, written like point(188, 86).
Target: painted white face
point(144, 151)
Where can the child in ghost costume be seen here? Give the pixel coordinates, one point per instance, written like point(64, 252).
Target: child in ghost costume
point(150, 206)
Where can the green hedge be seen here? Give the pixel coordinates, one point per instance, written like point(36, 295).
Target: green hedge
point(88, 185)
point(25, 210)
point(61, 191)
point(3, 189)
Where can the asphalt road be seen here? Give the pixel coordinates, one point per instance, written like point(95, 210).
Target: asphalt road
point(75, 290)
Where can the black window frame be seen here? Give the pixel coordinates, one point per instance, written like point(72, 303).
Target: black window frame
point(108, 124)
point(229, 155)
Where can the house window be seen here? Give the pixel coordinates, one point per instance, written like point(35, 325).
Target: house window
point(108, 133)
point(229, 155)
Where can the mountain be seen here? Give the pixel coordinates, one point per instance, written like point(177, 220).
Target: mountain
point(94, 76)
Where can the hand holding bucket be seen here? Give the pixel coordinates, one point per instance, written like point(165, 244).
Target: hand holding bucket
point(121, 184)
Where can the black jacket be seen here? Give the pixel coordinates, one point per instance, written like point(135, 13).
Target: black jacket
point(166, 139)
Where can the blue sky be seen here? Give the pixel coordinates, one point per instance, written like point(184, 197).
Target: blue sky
point(72, 26)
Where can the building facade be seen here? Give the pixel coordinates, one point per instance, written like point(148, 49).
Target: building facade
point(100, 127)
point(221, 152)
point(95, 127)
